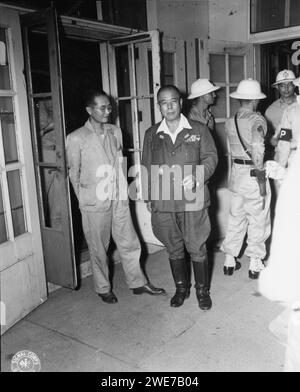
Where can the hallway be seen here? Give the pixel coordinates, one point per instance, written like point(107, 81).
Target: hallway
point(76, 331)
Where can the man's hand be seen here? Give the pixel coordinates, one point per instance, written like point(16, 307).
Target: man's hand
point(189, 182)
point(275, 170)
point(149, 206)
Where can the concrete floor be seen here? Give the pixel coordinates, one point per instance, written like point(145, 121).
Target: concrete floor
point(76, 331)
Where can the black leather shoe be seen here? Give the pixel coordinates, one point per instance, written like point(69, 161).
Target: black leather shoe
point(230, 270)
point(203, 298)
point(148, 288)
point(253, 274)
point(109, 298)
point(180, 295)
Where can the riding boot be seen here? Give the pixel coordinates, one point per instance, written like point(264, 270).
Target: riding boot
point(180, 276)
point(202, 284)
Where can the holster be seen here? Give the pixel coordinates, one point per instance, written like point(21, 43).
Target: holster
point(261, 179)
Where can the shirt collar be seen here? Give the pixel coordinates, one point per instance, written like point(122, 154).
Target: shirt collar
point(241, 109)
point(90, 127)
point(183, 123)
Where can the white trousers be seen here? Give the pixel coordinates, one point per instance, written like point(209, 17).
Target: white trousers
point(247, 216)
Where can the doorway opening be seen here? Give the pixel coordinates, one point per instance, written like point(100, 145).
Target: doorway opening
point(81, 73)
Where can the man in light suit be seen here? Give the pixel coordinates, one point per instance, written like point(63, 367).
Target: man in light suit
point(94, 154)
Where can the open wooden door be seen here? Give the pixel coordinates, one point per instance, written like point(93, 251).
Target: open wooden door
point(45, 97)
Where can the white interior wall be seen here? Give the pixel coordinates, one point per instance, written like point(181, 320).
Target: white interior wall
point(228, 20)
point(181, 19)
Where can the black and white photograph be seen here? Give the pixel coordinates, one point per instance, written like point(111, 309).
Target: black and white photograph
point(150, 189)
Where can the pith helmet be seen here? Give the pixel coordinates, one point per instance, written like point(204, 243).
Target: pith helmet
point(284, 76)
point(201, 87)
point(248, 89)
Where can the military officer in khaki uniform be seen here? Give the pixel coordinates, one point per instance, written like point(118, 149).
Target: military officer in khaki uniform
point(250, 196)
point(180, 156)
point(94, 154)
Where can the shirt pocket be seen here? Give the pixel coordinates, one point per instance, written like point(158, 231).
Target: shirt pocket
point(192, 152)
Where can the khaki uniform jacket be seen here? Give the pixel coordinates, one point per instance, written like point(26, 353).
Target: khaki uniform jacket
point(86, 156)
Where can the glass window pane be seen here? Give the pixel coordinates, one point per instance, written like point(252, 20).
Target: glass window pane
point(16, 202)
point(51, 198)
point(123, 80)
point(150, 72)
point(168, 68)
point(46, 141)
point(126, 123)
point(295, 12)
point(3, 232)
point(5, 83)
point(39, 62)
point(8, 130)
point(219, 109)
point(236, 69)
point(129, 13)
point(217, 68)
point(267, 15)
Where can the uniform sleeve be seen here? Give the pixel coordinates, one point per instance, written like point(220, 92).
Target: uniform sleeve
point(146, 170)
point(259, 131)
point(284, 143)
point(208, 154)
point(73, 149)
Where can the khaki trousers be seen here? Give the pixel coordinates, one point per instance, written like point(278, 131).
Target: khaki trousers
point(98, 228)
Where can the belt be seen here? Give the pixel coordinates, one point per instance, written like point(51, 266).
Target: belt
point(242, 161)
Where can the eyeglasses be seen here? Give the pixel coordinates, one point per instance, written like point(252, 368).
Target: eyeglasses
point(103, 108)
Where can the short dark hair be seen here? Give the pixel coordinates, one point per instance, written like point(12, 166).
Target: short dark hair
point(91, 95)
point(169, 87)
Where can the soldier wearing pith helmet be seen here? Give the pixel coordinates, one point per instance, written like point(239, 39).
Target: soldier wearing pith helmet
point(286, 88)
point(249, 191)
